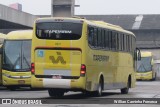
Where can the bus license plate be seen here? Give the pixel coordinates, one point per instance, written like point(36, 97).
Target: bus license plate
point(21, 82)
point(56, 76)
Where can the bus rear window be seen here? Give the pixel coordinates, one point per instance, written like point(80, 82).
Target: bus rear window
point(59, 30)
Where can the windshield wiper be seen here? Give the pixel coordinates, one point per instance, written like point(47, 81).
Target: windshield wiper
point(7, 61)
point(26, 62)
point(141, 67)
point(16, 61)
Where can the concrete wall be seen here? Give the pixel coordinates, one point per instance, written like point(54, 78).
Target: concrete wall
point(64, 2)
point(6, 31)
point(19, 17)
point(62, 8)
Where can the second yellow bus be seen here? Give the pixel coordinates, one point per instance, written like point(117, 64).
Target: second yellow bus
point(145, 67)
point(17, 59)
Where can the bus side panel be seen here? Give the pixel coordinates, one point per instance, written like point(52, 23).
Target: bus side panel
point(126, 68)
point(98, 64)
point(115, 70)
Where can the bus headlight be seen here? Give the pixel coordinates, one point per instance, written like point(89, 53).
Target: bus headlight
point(7, 75)
point(144, 74)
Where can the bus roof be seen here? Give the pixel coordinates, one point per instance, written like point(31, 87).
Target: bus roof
point(146, 54)
point(90, 22)
point(19, 35)
point(2, 35)
point(110, 26)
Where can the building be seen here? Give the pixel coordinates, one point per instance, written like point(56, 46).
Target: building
point(62, 8)
point(16, 6)
point(13, 19)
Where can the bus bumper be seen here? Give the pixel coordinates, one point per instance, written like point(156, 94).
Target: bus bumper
point(16, 82)
point(144, 76)
point(58, 83)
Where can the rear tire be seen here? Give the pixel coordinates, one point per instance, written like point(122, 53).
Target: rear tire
point(87, 93)
point(98, 93)
point(55, 93)
point(126, 90)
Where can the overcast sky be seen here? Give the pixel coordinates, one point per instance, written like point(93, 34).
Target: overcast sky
point(95, 7)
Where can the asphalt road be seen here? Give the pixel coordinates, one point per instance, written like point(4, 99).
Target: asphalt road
point(144, 90)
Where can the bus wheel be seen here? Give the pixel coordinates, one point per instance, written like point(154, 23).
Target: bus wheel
point(154, 79)
point(12, 88)
point(55, 93)
point(126, 90)
point(98, 93)
point(87, 93)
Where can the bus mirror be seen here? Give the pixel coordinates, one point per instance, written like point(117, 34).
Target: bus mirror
point(0, 50)
point(152, 62)
point(138, 54)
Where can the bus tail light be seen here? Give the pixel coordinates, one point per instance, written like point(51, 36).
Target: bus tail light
point(83, 70)
point(32, 68)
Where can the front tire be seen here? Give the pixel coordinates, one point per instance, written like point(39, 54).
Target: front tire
point(154, 79)
point(12, 88)
point(55, 93)
point(126, 90)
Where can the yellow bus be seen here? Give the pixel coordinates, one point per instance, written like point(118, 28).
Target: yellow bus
point(16, 70)
point(74, 54)
point(145, 67)
point(2, 37)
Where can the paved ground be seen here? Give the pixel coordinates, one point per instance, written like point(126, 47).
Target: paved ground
point(144, 89)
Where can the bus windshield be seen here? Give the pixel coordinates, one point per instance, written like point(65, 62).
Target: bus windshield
point(144, 65)
point(16, 55)
point(59, 30)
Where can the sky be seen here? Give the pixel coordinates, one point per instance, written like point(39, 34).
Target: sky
point(93, 7)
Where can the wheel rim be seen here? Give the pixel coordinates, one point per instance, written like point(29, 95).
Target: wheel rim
point(100, 89)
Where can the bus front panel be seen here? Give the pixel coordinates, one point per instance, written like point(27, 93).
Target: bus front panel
point(16, 62)
point(11, 78)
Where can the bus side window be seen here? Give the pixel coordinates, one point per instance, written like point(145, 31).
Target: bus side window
point(121, 36)
point(90, 36)
point(128, 44)
point(133, 44)
point(113, 41)
point(99, 38)
point(106, 39)
point(103, 38)
point(95, 37)
point(110, 39)
point(117, 42)
point(124, 43)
